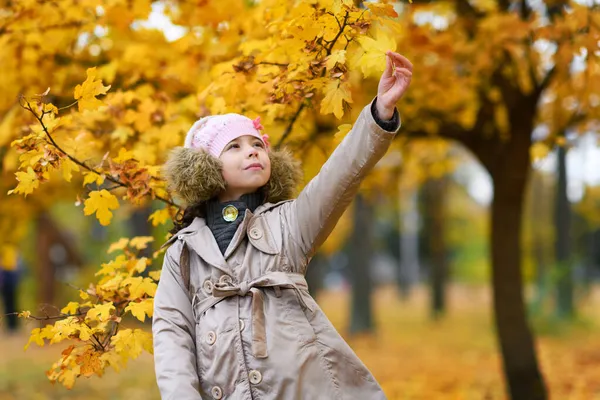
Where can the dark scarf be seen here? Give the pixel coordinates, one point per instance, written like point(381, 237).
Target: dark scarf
point(222, 230)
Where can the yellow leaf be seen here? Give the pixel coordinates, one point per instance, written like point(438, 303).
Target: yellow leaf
point(382, 10)
point(100, 312)
point(83, 295)
point(71, 308)
point(91, 177)
point(138, 266)
point(90, 362)
point(140, 242)
point(160, 217)
point(342, 132)
point(139, 286)
point(112, 359)
point(110, 267)
point(130, 343)
point(85, 333)
point(86, 92)
point(101, 202)
point(67, 166)
point(141, 309)
point(373, 60)
point(154, 275)
point(25, 314)
point(338, 4)
point(336, 92)
point(118, 245)
point(35, 337)
point(28, 181)
point(338, 56)
point(123, 156)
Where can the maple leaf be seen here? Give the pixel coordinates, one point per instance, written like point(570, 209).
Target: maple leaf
point(140, 242)
point(86, 92)
point(91, 177)
point(141, 309)
point(118, 245)
point(338, 56)
point(159, 217)
point(67, 166)
point(336, 93)
point(123, 156)
point(70, 308)
point(28, 181)
point(130, 343)
point(36, 337)
point(372, 62)
point(101, 202)
point(100, 312)
point(139, 286)
point(90, 362)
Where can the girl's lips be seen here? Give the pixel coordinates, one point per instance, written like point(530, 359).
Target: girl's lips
point(254, 166)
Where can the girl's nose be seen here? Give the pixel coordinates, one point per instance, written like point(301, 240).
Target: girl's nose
point(252, 152)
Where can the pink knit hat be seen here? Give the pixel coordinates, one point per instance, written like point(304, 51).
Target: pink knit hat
point(214, 132)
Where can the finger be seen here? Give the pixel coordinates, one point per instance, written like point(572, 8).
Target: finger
point(404, 71)
point(402, 60)
point(389, 69)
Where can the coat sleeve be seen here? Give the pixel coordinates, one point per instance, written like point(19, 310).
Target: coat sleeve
point(312, 216)
point(173, 331)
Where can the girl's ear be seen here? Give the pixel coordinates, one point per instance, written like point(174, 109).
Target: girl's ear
point(286, 175)
point(193, 175)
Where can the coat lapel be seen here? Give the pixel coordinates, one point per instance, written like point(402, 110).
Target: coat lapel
point(205, 245)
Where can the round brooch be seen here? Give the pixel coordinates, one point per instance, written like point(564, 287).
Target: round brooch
point(230, 213)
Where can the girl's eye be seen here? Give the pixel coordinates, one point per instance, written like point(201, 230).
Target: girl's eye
point(233, 146)
point(259, 144)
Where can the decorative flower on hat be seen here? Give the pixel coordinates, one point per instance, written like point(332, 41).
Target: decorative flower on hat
point(265, 139)
point(256, 123)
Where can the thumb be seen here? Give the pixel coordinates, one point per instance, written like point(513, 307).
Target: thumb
point(388, 66)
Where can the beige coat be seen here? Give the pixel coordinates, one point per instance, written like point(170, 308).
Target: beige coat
point(248, 328)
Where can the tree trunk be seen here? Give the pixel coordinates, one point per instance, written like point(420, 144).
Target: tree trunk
point(409, 244)
point(538, 241)
point(562, 223)
point(509, 172)
point(360, 263)
point(315, 273)
point(434, 191)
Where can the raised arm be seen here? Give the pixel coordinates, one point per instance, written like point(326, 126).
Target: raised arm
point(313, 215)
point(173, 330)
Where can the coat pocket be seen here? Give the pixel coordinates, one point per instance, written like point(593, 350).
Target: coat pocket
point(298, 317)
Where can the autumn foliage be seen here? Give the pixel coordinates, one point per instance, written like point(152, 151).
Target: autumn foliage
point(93, 100)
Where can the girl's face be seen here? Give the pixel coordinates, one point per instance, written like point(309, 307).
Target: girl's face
point(246, 167)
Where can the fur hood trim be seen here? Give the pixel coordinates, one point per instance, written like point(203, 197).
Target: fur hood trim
point(195, 176)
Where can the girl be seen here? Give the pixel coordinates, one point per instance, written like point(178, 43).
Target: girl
point(233, 318)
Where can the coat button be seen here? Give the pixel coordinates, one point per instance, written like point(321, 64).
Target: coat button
point(242, 325)
point(226, 279)
point(255, 377)
point(208, 286)
point(211, 338)
point(217, 392)
point(255, 233)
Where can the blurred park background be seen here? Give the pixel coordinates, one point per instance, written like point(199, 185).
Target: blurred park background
point(467, 267)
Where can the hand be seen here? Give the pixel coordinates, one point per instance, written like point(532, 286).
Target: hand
point(393, 83)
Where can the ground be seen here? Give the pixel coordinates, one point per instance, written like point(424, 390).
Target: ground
point(412, 356)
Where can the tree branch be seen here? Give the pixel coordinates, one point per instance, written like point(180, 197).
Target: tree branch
point(76, 161)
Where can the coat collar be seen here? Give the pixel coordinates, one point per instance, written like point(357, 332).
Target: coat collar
point(200, 238)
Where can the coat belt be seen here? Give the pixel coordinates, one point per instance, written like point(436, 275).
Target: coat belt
point(276, 280)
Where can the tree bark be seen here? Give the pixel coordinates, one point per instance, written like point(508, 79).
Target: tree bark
point(434, 218)
point(562, 224)
point(360, 267)
point(409, 245)
point(509, 172)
